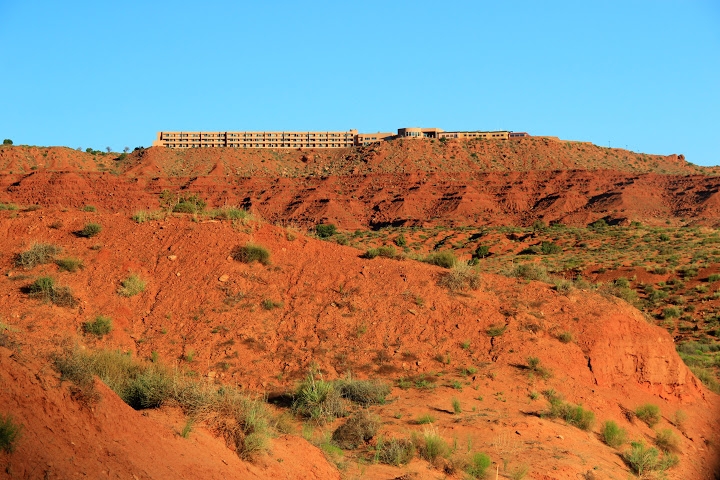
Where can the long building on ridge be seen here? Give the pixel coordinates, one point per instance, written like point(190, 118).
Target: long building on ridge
point(316, 139)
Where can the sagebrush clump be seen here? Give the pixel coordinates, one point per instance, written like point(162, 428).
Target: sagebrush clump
point(37, 254)
point(131, 286)
point(250, 253)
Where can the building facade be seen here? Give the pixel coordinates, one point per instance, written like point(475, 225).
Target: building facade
point(318, 139)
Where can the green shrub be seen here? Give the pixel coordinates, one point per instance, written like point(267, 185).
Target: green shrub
point(714, 277)
point(431, 446)
point(131, 286)
point(242, 421)
point(189, 204)
point(9, 433)
point(457, 408)
point(44, 288)
point(479, 463)
point(99, 327)
point(269, 304)
point(230, 213)
point(251, 253)
point(530, 271)
point(574, 415)
point(7, 141)
point(460, 277)
point(481, 251)
point(670, 312)
point(386, 251)
point(550, 248)
point(565, 337)
point(648, 413)
point(89, 208)
point(363, 392)
point(667, 440)
point(69, 264)
point(707, 377)
point(400, 240)
point(318, 399)
point(644, 460)
point(90, 230)
point(496, 330)
point(425, 419)
point(38, 254)
point(360, 428)
point(325, 230)
point(612, 434)
point(8, 206)
point(445, 259)
point(141, 216)
point(395, 451)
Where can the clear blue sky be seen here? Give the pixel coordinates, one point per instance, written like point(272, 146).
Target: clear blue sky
point(641, 74)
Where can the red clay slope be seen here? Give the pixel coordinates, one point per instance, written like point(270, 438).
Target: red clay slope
point(375, 318)
point(395, 183)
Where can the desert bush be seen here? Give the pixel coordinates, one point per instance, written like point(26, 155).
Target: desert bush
point(612, 434)
point(574, 415)
point(363, 392)
point(478, 465)
point(90, 230)
point(714, 277)
point(325, 230)
point(269, 304)
point(38, 254)
point(550, 248)
point(645, 460)
point(44, 289)
point(707, 377)
point(250, 253)
point(360, 428)
point(69, 264)
point(481, 251)
point(670, 312)
point(131, 286)
point(99, 327)
point(425, 419)
point(430, 445)
point(460, 277)
point(495, 330)
point(667, 440)
point(530, 271)
point(400, 240)
point(456, 406)
point(395, 451)
point(9, 433)
point(89, 208)
point(648, 413)
point(141, 216)
point(386, 251)
point(535, 367)
point(318, 399)
point(242, 421)
point(565, 337)
point(189, 204)
point(445, 259)
point(8, 206)
point(230, 213)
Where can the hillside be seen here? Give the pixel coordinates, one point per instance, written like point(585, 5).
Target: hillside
point(401, 183)
point(382, 319)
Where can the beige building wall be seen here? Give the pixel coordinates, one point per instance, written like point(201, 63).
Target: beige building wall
point(256, 139)
point(311, 139)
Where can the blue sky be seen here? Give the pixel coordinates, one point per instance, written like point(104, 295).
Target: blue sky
point(638, 74)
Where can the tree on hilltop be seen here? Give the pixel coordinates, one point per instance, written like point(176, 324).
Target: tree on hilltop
point(7, 141)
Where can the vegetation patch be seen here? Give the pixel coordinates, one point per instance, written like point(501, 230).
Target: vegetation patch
point(445, 259)
point(325, 230)
point(648, 413)
point(359, 429)
point(394, 451)
point(131, 286)
point(44, 289)
point(142, 216)
point(644, 460)
point(37, 254)
point(574, 415)
point(613, 435)
point(9, 433)
point(461, 277)
point(89, 230)
point(250, 253)
point(99, 327)
point(386, 251)
point(69, 264)
point(242, 421)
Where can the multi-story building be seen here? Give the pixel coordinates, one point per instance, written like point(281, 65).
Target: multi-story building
point(312, 139)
